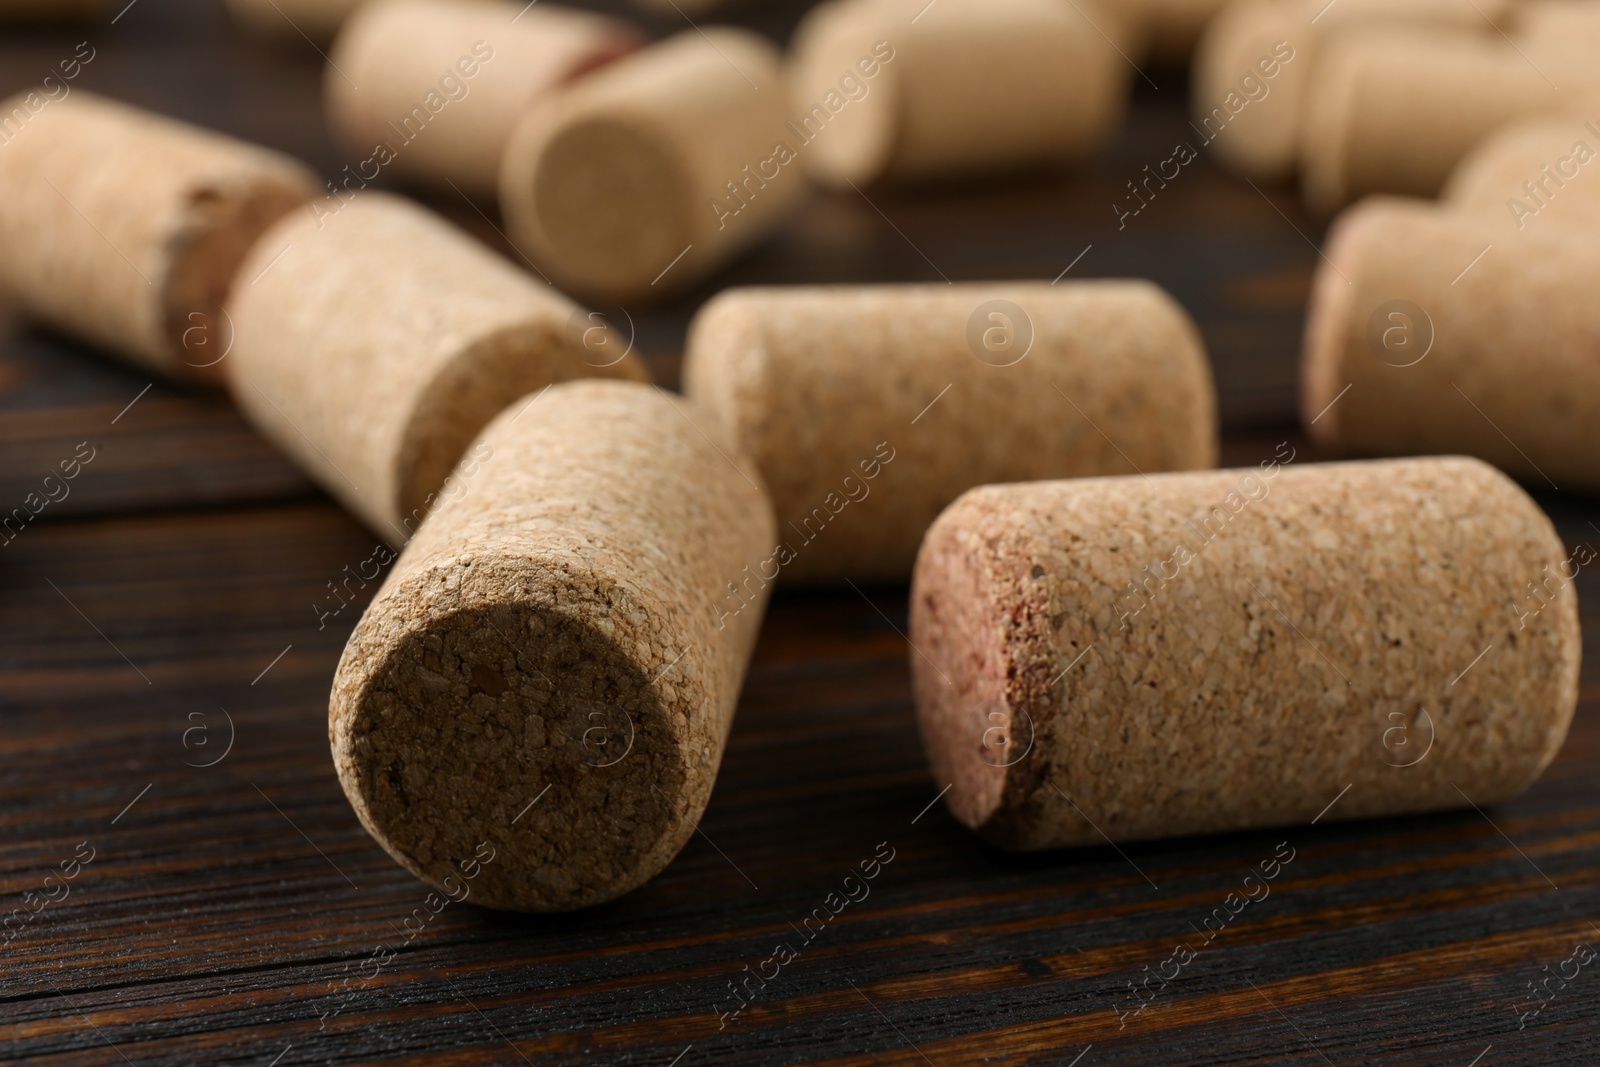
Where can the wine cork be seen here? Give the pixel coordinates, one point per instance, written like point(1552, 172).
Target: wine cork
point(1542, 173)
point(1127, 658)
point(373, 345)
point(1396, 111)
point(1255, 61)
point(1431, 331)
point(124, 228)
point(646, 176)
point(870, 408)
point(291, 21)
point(880, 92)
point(545, 669)
point(432, 89)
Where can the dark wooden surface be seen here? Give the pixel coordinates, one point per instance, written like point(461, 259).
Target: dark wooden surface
point(167, 610)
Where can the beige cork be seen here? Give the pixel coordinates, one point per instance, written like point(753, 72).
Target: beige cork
point(1396, 110)
point(373, 345)
point(880, 91)
point(1130, 658)
point(1543, 174)
point(124, 228)
point(547, 669)
point(432, 89)
point(870, 408)
point(1253, 66)
point(292, 21)
point(1432, 331)
point(644, 177)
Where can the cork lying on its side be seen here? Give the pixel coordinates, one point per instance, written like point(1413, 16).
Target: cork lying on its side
point(1422, 338)
point(1255, 61)
point(881, 92)
point(1195, 653)
point(292, 20)
point(1395, 111)
point(432, 89)
point(374, 344)
point(546, 672)
point(644, 177)
point(1543, 174)
point(125, 228)
point(870, 408)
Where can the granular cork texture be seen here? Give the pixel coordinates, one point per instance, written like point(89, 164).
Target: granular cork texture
point(125, 228)
point(641, 179)
point(1239, 66)
point(1394, 109)
point(1195, 653)
point(883, 92)
point(548, 669)
point(1542, 175)
point(1421, 338)
point(870, 408)
point(372, 345)
point(432, 89)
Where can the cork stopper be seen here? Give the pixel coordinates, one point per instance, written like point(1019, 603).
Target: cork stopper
point(870, 408)
point(125, 229)
point(548, 668)
point(1208, 652)
point(883, 92)
point(1394, 111)
point(373, 342)
point(1430, 331)
point(432, 89)
point(644, 177)
point(1540, 174)
point(1256, 59)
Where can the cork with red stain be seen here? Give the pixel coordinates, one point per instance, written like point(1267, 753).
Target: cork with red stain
point(1131, 658)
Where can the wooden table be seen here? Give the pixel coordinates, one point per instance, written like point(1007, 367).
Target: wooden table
point(165, 679)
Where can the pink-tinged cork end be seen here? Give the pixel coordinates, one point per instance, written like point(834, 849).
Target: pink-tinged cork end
point(960, 686)
point(976, 611)
point(1328, 326)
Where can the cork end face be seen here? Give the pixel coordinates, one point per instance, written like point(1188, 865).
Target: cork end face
point(1342, 329)
point(453, 746)
point(1327, 336)
point(1252, 120)
point(603, 202)
point(959, 668)
point(220, 224)
point(845, 100)
point(1331, 96)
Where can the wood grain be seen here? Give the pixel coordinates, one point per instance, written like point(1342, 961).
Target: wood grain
point(231, 912)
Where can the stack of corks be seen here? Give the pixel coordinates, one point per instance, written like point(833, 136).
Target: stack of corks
point(1110, 640)
point(1383, 96)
